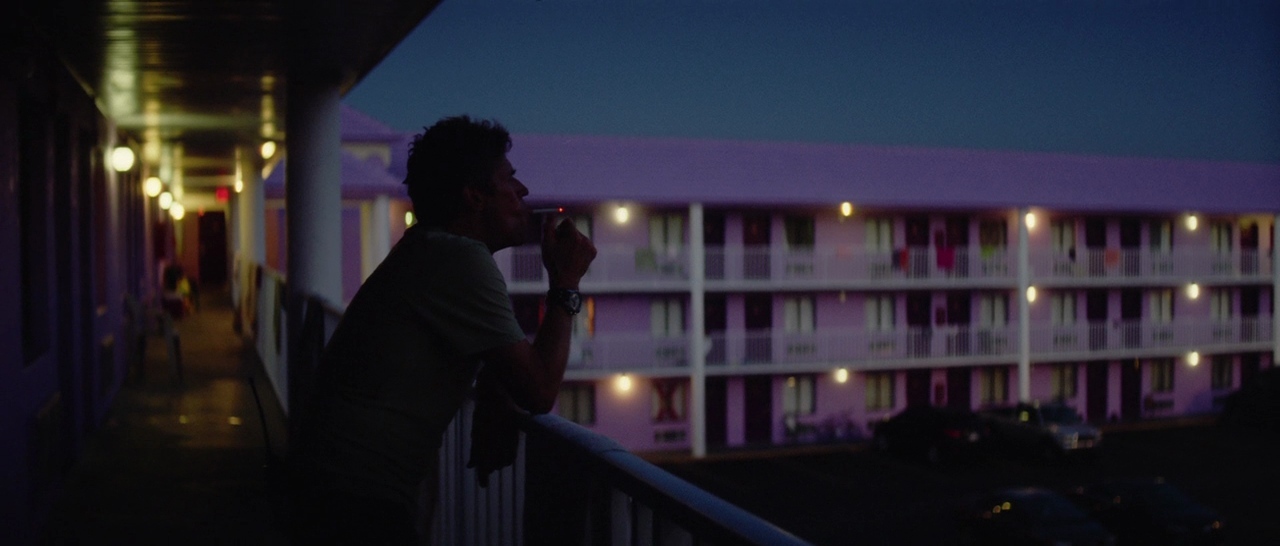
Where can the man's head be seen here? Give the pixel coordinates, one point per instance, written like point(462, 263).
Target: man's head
point(455, 153)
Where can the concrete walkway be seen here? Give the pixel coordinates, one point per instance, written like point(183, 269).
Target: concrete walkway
point(179, 462)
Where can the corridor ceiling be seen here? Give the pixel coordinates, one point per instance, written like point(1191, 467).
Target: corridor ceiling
point(189, 81)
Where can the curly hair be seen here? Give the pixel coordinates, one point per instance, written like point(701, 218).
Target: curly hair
point(454, 153)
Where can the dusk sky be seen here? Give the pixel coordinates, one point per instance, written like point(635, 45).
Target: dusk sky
point(1189, 79)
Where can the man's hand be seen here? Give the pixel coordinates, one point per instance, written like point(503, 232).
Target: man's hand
point(566, 253)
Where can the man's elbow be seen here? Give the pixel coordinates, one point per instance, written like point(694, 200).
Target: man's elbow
point(542, 402)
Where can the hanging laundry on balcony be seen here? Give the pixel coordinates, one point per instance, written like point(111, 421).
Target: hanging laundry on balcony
point(1111, 258)
point(946, 258)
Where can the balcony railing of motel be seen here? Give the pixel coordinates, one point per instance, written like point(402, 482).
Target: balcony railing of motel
point(941, 345)
point(571, 485)
point(626, 264)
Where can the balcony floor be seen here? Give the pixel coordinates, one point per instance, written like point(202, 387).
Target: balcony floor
point(145, 477)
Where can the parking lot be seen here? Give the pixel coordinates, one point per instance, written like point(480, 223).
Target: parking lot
point(851, 495)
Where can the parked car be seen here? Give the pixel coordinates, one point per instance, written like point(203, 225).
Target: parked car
point(1028, 515)
point(929, 433)
point(1150, 511)
point(1256, 403)
point(1046, 430)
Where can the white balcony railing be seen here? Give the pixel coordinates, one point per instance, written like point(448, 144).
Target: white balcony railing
point(623, 264)
point(1189, 334)
point(1179, 263)
point(642, 352)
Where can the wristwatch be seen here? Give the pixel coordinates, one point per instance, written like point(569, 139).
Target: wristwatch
point(567, 299)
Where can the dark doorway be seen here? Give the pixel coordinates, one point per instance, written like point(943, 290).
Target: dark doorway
point(957, 244)
point(1095, 240)
point(756, 239)
point(717, 411)
point(1250, 366)
point(713, 238)
point(959, 387)
point(917, 246)
point(1250, 303)
point(958, 316)
point(213, 249)
point(1095, 311)
point(1096, 385)
point(716, 320)
point(919, 332)
point(1130, 242)
point(1131, 390)
point(759, 323)
point(1131, 316)
point(918, 384)
point(758, 400)
point(1249, 249)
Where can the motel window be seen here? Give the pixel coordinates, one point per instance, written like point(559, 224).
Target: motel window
point(584, 323)
point(1220, 237)
point(1160, 236)
point(993, 385)
point(1220, 304)
point(1064, 235)
point(798, 398)
point(993, 310)
point(666, 317)
point(1161, 305)
point(577, 402)
point(879, 234)
point(1222, 373)
point(800, 231)
point(669, 400)
point(879, 390)
point(1064, 381)
point(666, 233)
point(1162, 376)
point(799, 315)
point(880, 313)
point(1062, 306)
point(993, 234)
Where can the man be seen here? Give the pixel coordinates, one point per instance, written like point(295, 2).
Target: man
point(413, 340)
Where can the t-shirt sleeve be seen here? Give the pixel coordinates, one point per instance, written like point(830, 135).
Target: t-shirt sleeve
point(467, 303)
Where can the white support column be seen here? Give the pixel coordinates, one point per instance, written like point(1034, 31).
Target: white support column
point(1275, 291)
point(252, 205)
point(313, 191)
point(380, 218)
point(697, 332)
point(1024, 308)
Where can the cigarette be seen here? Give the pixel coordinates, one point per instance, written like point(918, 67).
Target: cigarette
point(551, 210)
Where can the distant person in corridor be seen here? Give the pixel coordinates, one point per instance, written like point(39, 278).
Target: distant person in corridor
point(432, 320)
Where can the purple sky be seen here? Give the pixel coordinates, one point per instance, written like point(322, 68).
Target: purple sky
point(1195, 79)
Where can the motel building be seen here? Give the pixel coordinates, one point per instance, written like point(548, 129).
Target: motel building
point(762, 294)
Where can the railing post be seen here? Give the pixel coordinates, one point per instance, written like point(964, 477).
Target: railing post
point(697, 332)
point(1024, 308)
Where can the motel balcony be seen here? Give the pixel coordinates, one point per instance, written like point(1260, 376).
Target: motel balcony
point(953, 345)
point(623, 268)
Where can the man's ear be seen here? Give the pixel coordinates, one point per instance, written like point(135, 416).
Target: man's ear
point(473, 198)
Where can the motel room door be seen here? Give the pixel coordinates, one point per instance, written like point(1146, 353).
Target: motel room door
point(755, 242)
point(958, 387)
point(759, 409)
point(1131, 390)
point(918, 387)
point(1096, 383)
point(919, 323)
point(759, 323)
point(717, 411)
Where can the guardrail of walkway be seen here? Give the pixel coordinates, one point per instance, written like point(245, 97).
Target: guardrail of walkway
point(572, 486)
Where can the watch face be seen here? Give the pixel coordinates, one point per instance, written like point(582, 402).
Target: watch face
point(574, 300)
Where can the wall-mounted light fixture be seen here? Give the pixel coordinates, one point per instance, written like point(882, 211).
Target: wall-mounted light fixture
point(621, 214)
point(1193, 291)
point(1193, 358)
point(846, 209)
point(152, 186)
point(1031, 294)
point(268, 149)
point(239, 185)
point(1192, 222)
point(177, 211)
point(1030, 219)
point(409, 218)
point(122, 158)
point(166, 200)
point(842, 375)
point(622, 383)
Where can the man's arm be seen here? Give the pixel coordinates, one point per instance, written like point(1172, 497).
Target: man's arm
point(531, 372)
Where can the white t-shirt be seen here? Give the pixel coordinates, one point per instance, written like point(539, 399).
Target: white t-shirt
point(401, 362)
